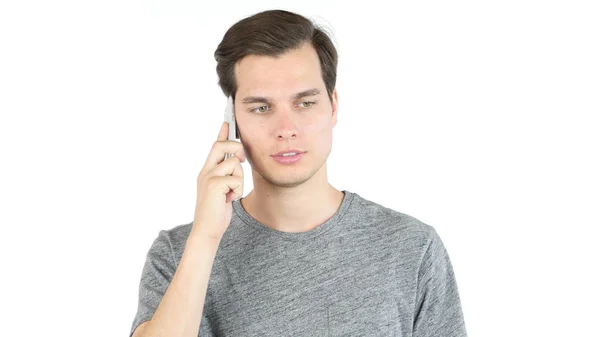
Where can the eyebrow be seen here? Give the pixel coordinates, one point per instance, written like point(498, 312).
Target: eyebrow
point(266, 100)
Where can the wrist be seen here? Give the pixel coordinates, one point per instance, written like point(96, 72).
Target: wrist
point(204, 239)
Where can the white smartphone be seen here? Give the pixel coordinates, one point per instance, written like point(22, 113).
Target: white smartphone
point(230, 119)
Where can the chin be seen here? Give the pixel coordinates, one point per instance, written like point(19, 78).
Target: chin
point(292, 178)
point(293, 182)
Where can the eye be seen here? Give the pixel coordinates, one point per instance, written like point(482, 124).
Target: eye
point(307, 104)
point(261, 109)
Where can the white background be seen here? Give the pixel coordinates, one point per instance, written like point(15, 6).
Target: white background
point(479, 118)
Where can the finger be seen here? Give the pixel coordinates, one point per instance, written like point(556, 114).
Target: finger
point(225, 185)
point(237, 191)
point(224, 132)
point(230, 197)
point(235, 185)
point(230, 166)
point(217, 153)
point(233, 196)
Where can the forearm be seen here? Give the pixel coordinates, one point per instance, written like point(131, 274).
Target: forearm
point(180, 310)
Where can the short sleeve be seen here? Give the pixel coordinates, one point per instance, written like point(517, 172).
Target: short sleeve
point(438, 309)
point(157, 274)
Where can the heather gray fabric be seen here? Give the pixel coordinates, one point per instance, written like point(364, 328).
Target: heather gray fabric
point(367, 271)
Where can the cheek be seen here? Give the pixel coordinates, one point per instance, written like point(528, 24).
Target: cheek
point(253, 140)
point(320, 135)
point(321, 126)
point(320, 122)
point(321, 132)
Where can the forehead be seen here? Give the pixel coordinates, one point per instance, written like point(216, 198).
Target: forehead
point(293, 71)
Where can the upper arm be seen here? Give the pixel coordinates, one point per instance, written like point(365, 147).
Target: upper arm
point(438, 309)
point(157, 274)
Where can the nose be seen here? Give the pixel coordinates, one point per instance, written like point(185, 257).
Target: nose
point(286, 127)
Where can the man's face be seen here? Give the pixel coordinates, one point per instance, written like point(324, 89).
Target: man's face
point(272, 118)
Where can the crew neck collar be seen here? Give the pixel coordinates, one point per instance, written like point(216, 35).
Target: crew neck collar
point(327, 226)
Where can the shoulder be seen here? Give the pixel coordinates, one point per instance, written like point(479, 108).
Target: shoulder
point(178, 233)
point(175, 238)
point(392, 223)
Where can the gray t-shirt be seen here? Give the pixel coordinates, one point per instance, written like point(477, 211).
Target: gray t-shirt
point(367, 271)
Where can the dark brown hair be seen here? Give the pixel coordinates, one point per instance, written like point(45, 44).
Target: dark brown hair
point(272, 33)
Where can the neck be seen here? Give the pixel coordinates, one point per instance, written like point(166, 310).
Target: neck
point(293, 209)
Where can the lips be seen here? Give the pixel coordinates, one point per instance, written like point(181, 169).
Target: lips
point(288, 160)
point(288, 151)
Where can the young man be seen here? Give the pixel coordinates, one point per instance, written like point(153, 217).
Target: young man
point(296, 256)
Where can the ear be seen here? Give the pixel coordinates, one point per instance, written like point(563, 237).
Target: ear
point(334, 106)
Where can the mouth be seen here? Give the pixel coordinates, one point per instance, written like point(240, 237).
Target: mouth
point(288, 152)
point(289, 158)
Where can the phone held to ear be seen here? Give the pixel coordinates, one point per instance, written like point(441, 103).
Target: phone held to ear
point(230, 119)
